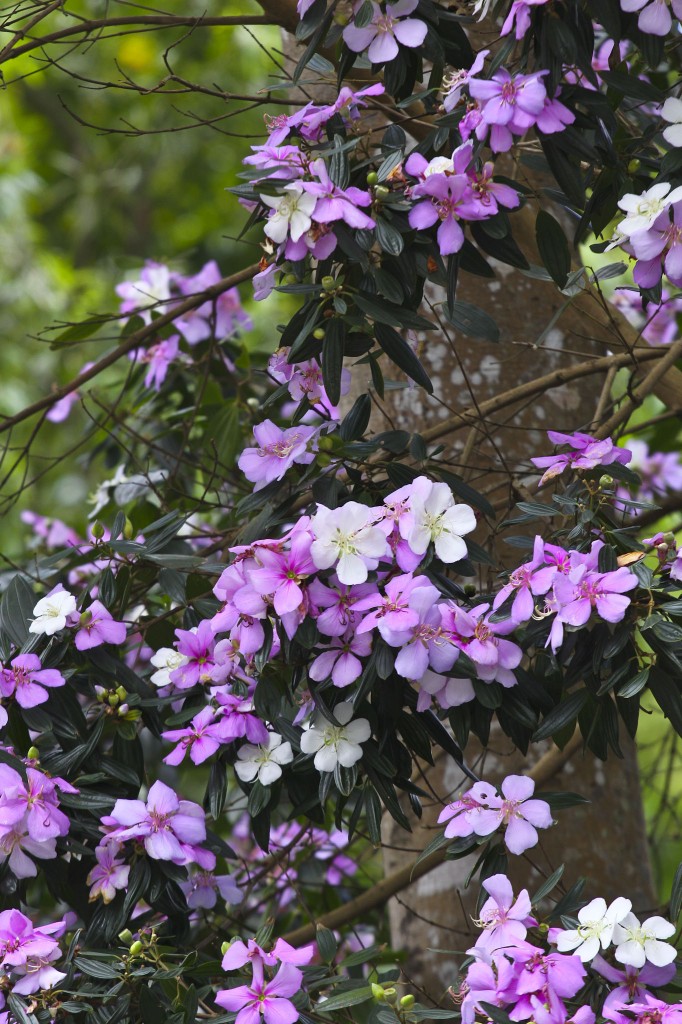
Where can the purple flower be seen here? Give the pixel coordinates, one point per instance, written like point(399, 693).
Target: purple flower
point(342, 660)
point(158, 357)
point(587, 453)
point(487, 983)
point(659, 247)
point(481, 811)
point(269, 998)
point(235, 720)
point(29, 952)
point(505, 920)
point(654, 17)
point(98, 627)
point(203, 662)
point(170, 828)
point(109, 875)
point(450, 197)
point(33, 806)
point(197, 739)
point(281, 573)
point(583, 591)
point(203, 887)
point(334, 203)
point(16, 843)
point(26, 679)
point(392, 611)
point(386, 29)
point(277, 451)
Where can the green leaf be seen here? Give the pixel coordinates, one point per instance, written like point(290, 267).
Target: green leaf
point(388, 237)
point(676, 895)
point(19, 1011)
point(326, 943)
point(384, 312)
point(398, 350)
point(548, 885)
point(16, 610)
point(97, 968)
point(472, 321)
point(553, 247)
point(343, 999)
point(332, 358)
point(562, 715)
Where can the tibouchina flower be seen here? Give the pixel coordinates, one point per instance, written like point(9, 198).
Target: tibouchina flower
point(109, 875)
point(381, 37)
point(52, 611)
point(437, 519)
point(263, 762)
point(346, 536)
point(336, 744)
point(269, 998)
point(636, 943)
point(481, 811)
point(292, 213)
point(671, 111)
point(642, 210)
point(595, 929)
point(165, 661)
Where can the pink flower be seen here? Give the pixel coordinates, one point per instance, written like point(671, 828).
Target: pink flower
point(98, 627)
point(170, 828)
point(26, 679)
point(587, 453)
point(277, 451)
point(505, 920)
point(480, 811)
point(197, 739)
point(342, 660)
point(269, 998)
point(381, 36)
point(109, 875)
point(281, 573)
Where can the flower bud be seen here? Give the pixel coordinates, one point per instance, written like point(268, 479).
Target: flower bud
point(289, 279)
point(381, 192)
point(126, 936)
point(407, 1002)
point(318, 334)
point(378, 992)
point(605, 480)
point(669, 539)
point(123, 710)
point(543, 928)
point(469, 589)
point(85, 619)
point(128, 531)
point(390, 995)
point(323, 460)
point(328, 283)
point(253, 402)
point(372, 178)
point(224, 948)
point(122, 692)
point(97, 530)
point(136, 948)
point(33, 754)
point(634, 166)
point(113, 700)
point(326, 444)
point(100, 693)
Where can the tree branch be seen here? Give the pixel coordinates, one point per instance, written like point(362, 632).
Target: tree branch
point(282, 13)
point(133, 341)
point(545, 769)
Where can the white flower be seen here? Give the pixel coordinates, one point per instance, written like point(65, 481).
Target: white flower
point(292, 214)
point(597, 923)
point(52, 612)
point(166, 660)
point(336, 744)
point(439, 165)
point(636, 943)
point(672, 111)
point(346, 534)
point(435, 517)
point(643, 210)
point(263, 762)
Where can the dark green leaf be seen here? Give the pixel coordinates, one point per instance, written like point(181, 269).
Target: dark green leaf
point(398, 350)
point(472, 321)
point(553, 247)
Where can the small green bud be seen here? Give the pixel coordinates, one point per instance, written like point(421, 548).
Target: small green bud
point(122, 692)
point(290, 279)
point(113, 700)
point(318, 334)
point(669, 538)
point(126, 936)
point(634, 166)
point(253, 402)
point(325, 444)
point(381, 192)
point(224, 948)
point(407, 1002)
point(328, 283)
point(470, 589)
point(136, 948)
point(378, 992)
point(97, 530)
point(372, 178)
point(605, 480)
point(390, 995)
point(33, 754)
point(543, 928)
point(128, 531)
point(101, 694)
point(323, 460)
point(123, 710)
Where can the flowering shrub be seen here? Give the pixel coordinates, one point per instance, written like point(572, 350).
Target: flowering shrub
point(208, 703)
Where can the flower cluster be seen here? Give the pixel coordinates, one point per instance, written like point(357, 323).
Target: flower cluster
point(546, 982)
point(30, 818)
point(94, 626)
point(29, 953)
point(651, 232)
point(269, 997)
point(586, 453)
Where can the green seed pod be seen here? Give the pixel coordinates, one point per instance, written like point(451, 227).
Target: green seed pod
point(372, 178)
